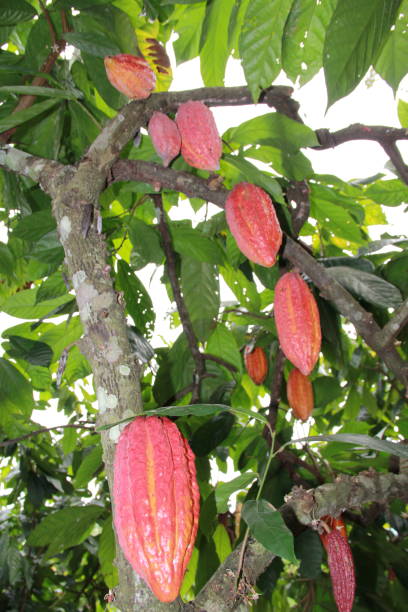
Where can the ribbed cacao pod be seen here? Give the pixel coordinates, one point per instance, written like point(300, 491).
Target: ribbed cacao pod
point(341, 566)
point(297, 321)
point(333, 523)
point(300, 394)
point(252, 220)
point(256, 363)
point(165, 137)
point(200, 142)
point(156, 502)
point(131, 75)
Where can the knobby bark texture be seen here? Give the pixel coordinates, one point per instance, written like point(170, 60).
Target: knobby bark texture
point(75, 195)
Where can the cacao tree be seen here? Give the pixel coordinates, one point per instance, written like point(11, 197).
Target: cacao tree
point(104, 220)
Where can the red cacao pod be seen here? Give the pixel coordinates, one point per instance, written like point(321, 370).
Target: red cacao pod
point(252, 220)
point(297, 321)
point(333, 523)
point(156, 502)
point(341, 566)
point(200, 142)
point(165, 136)
point(300, 395)
point(131, 75)
point(256, 363)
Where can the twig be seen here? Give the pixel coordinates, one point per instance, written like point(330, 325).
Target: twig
point(394, 326)
point(219, 360)
point(275, 389)
point(181, 306)
point(43, 430)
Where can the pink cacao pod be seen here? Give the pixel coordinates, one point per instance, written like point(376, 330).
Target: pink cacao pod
point(200, 142)
point(341, 566)
point(131, 75)
point(156, 502)
point(256, 363)
point(300, 394)
point(297, 321)
point(165, 137)
point(252, 220)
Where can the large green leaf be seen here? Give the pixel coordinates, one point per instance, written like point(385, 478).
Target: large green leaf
point(214, 51)
point(222, 344)
point(210, 435)
point(361, 440)
point(303, 39)
point(267, 526)
point(93, 43)
point(244, 290)
point(224, 490)
point(192, 243)
point(89, 465)
point(15, 11)
point(25, 115)
point(369, 287)
point(65, 528)
point(36, 353)
point(335, 218)
point(200, 286)
point(33, 227)
point(246, 171)
point(16, 394)
point(188, 26)
point(106, 554)
point(294, 166)
point(392, 192)
point(138, 302)
point(392, 62)
point(261, 40)
point(353, 42)
point(23, 305)
point(146, 244)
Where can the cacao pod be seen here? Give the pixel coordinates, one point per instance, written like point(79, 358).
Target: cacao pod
point(156, 502)
point(297, 321)
point(131, 75)
point(333, 523)
point(200, 142)
point(341, 566)
point(165, 136)
point(256, 363)
point(300, 395)
point(252, 220)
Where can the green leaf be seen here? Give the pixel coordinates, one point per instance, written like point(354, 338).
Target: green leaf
point(192, 409)
point(391, 63)
point(200, 286)
point(389, 193)
point(294, 166)
point(335, 219)
point(260, 42)
point(326, 389)
point(268, 527)
point(222, 344)
point(403, 113)
point(210, 435)
point(222, 542)
point(146, 244)
point(214, 52)
point(310, 552)
point(23, 116)
point(6, 260)
point(303, 39)
point(33, 227)
point(353, 42)
point(15, 11)
point(16, 394)
point(23, 304)
point(69, 440)
point(189, 26)
point(244, 290)
point(192, 243)
point(249, 172)
point(65, 528)
point(94, 43)
point(89, 465)
point(361, 440)
point(36, 353)
point(138, 302)
point(48, 92)
point(369, 287)
point(273, 129)
point(106, 553)
point(224, 490)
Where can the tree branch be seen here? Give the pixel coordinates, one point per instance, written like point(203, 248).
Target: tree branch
point(181, 306)
point(394, 326)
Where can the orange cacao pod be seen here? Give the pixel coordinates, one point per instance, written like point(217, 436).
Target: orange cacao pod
point(131, 75)
point(256, 364)
point(300, 394)
point(165, 136)
point(341, 566)
point(200, 142)
point(297, 321)
point(252, 220)
point(156, 502)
